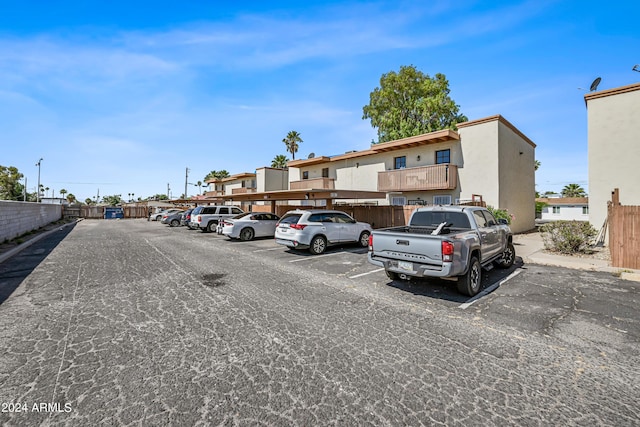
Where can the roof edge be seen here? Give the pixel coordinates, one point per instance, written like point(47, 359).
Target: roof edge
point(499, 118)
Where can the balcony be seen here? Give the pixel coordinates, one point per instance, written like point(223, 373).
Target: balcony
point(213, 193)
point(437, 177)
point(243, 190)
point(315, 183)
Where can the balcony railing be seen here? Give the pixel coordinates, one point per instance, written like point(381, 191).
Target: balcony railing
point(214, 193)
point(243, 190)
point(315, 183)
point(437, 177)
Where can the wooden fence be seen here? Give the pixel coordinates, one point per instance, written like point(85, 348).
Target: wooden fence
point(624, 233)
point(97, 212)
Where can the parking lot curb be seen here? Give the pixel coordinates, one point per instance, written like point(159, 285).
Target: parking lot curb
point(5, 256)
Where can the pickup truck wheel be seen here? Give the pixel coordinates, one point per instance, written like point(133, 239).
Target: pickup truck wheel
point(364, 239)
point(508, 257)
point(318, 245)
point(246, 234)
point(469, 283)
point(391, 275)
point(211, 227)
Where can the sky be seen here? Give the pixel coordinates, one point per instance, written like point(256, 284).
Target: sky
point(122, 97)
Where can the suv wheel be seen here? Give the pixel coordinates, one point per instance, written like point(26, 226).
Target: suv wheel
point(318, 245)
point(364, 239)
point(211, 227)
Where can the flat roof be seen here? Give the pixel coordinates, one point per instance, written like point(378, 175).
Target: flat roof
point(610, 92)
point(413, 141)
point(305, 194)
point(232, 177)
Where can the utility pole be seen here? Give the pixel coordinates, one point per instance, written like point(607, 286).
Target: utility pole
point(168, 190)
point(24, 190)
point(38, 190)
point(186, 178)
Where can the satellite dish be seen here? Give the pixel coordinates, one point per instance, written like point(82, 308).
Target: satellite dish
point(594, 85)
point(311, 155)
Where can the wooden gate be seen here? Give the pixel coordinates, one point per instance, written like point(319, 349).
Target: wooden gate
point(624, 233)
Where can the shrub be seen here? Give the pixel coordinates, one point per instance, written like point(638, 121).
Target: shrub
point(501, 214)
point(568, 237)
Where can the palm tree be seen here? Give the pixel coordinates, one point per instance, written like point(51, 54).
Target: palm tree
point(63, 192)
point(71, 198)
point(279, 161)
point(573, 190)
point(217, 175)
point(536, 164)
point(199, 184)
point(291, 141)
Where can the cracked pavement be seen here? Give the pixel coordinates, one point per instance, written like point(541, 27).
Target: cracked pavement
point(134, 323)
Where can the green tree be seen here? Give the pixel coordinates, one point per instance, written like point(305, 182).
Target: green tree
point(573, 190)
point(292, 141)
point(410, 103)
point(536, 164)
point(70, 198)
point(114, 200)
point(63, 192)
point(158, 197)
point(217, 175)
point(279, 161)
point(199, 184)
point(10, 186)
point(88, 201)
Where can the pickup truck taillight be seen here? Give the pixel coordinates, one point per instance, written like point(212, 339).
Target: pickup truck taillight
point(447, 251)
point(370, 242)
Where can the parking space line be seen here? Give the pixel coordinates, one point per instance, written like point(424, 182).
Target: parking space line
point(307, 258)
point(270, 249)
point(368, 272)
point(489, 290)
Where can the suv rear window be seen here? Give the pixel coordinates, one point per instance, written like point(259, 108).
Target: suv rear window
point(290, 218)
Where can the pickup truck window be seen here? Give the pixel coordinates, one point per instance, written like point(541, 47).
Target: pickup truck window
point(431, 218)
point(491, 220)
point(481, 221)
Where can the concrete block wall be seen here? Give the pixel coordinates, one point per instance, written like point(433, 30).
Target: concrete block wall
point(17, 218)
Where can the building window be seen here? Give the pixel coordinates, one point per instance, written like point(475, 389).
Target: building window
point(556, 209)
point(325, 172)
point(305, 175)
point(443, 156)
point(400, 162)
point(585, 210)
point(398, 201)
point(441, 200)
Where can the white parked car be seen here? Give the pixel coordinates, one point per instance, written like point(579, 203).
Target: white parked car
point(250, 225)
point(317, 229)
point(158, 215)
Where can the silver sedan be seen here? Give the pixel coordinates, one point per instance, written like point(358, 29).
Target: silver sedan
point(249, 225)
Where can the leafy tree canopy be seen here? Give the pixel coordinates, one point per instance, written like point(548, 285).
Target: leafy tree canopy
point(292, 141)
point(279, 161)
point(158, 197)
point(217, 175)
point(410, 103)
point(10, 186)
point(114, 200)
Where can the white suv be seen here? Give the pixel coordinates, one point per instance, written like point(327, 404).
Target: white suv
point(317, 229)
point(208, 216)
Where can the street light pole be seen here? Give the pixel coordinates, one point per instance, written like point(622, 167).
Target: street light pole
point(38, 190)
point(186, 178)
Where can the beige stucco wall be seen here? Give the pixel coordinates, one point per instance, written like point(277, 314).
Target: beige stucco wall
point(271, 179)
point(494, 168)
point(613, 125)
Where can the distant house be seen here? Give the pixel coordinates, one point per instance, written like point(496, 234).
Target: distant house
point(565, 209)
point(613, 124)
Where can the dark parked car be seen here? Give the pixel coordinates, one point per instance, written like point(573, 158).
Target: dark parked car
point(186, 217)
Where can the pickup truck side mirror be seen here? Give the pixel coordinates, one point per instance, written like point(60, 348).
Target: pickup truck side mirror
point(503, 221)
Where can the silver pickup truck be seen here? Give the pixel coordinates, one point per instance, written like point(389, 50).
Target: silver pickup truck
point(450, 242)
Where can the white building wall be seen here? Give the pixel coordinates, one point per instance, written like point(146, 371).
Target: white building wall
point(613, 122)
point(564, 213)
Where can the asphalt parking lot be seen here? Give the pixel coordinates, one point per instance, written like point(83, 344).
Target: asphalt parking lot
point(136, 323)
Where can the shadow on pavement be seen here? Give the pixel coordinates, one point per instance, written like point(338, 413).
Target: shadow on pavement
point(447, 289)
point(17, 268)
